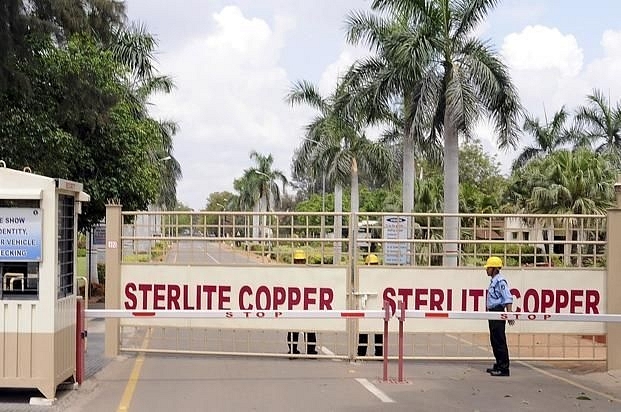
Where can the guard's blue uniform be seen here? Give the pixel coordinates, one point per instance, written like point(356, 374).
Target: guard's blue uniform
point(498, 296)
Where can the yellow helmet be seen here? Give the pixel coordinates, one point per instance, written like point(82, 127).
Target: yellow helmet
point(493, 262)
point(299, 254)
point(371, 259)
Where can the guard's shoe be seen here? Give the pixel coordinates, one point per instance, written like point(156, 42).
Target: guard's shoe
point(493, 368)
point(312, 352)
point(295, 352)
point(499, 372)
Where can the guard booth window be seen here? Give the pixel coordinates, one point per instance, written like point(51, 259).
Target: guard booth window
point(66, 224)
point(20, 280)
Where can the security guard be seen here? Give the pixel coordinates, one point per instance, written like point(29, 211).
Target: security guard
point(299, 258)
point(363, 338)
point(499, 299)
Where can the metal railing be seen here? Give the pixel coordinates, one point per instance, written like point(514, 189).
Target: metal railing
point(273, 237)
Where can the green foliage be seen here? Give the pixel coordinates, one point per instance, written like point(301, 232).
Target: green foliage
point(481, 184)
point(101, 273)
point(73, 106)
point(579, 182)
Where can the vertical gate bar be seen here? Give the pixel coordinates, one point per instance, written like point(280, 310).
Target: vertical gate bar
point(401, 320)
point(386, 308)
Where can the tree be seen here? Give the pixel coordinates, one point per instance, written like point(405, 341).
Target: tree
point(481, 184)
point(548, 137)
point(567, 182)
point(466, 80)
point(336, 145)
point(388, 86)
point(261, 183)
point(601, 125)
point(70, 74)
point(267, 179)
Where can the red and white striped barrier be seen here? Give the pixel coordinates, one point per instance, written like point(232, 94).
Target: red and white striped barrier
point(550, 317)
point(348, 314)
point(401, 314)
point(236, 314)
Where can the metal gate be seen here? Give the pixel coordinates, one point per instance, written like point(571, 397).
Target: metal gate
point(157, 260)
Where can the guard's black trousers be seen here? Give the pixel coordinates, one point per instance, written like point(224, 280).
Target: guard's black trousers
point(311, 341)
point(363, 343)
point(498, 339)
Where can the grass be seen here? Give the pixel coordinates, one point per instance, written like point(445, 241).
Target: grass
point(82, 266)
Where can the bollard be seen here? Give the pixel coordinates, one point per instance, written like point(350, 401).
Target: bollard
point(80, 337)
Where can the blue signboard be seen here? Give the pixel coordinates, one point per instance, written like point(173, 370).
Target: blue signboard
point(20, 234)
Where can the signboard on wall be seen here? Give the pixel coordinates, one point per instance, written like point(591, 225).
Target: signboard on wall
point(395, 227)
point(464, 289)
point(99, 235)
point(269, 288)
point(20, 234)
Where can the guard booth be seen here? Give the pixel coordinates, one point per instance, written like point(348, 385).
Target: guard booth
point(38, 263)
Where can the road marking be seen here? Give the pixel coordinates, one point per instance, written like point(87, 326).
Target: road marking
point(569, 381)
point(543, 372)
point(211, 257)
point(328, 352)
point(375, 391)
point(128, 394)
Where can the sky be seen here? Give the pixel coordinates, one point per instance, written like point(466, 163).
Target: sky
point(233, 62)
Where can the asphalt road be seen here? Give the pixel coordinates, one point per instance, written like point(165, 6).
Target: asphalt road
point(145, 383)
point(154, 382)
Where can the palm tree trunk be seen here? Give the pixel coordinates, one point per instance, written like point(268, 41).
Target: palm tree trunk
point(409, 172)
point(355, 195)
point(255, 220)
point(263, 203)
point(338, 222)
point(451, 191)
point(409, 176)
point(567, 247)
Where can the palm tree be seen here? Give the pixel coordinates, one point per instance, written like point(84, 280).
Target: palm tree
point(464, 79)
point(133, 47)
point(262, 185)
point(570, 182)
point(601, 124)
point(388, 86)
point(244, 200)
point(337, 145)
point(548, 138)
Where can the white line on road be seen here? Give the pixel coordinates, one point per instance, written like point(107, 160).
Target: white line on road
point(375, 391)
point(211, 257)
point(328, 352)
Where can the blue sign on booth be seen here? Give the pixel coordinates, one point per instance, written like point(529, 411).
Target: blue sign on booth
point(20, 234)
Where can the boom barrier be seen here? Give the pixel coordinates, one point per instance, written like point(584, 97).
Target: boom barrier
point(348, 314)
point(401, 314)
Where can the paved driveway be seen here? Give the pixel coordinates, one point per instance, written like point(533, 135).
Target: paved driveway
point(155, 382)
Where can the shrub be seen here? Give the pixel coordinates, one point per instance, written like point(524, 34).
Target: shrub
point(101, 273)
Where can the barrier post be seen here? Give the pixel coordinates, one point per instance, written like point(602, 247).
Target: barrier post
point(401, 317)
point(386, 308)
point(80, 337)
point(613, 281)
point(113, 275)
